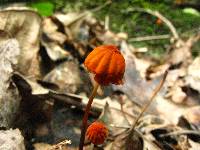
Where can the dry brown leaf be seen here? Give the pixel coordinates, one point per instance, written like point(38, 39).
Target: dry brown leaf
point(114, 120)
point(72, 22)
point(137, 89)
point(182, 51)
point(9, 95)
point(42, 146)
point(53, 40)
point(142, 65)
point(128, 140)
point(24, 25)
point(193, 77)
point(11, 139)
point(66, 76)
point(109, 37)
point(192, 116)
point(194, 145)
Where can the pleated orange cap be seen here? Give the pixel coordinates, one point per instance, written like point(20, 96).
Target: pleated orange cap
point(97, 133)
point(107, 63)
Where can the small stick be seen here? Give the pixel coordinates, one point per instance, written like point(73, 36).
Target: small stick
point(147, 38)
point(155, 92)
point(122, 109)
point(160, 16)
point(180, 133)
point(132, 129)
point(85, 117)
point(60, 145)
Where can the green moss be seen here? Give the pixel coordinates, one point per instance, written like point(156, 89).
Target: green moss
point(136, 24)
point(45, 8)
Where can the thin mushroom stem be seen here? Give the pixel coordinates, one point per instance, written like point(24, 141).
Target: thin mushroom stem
point(85, 117)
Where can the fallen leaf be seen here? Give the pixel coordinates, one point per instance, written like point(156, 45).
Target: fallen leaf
point(193, 78)
point(11, 139)
point(53, 40)
point(66, 76)
point(9, 95)
point(193, 145)
point(42, 146)
point(24, 25)
point(129, 140)
point(114, 119)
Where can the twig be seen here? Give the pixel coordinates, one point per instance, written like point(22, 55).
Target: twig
point(161, 17)
point(147, 38)
point(122, 109)
point(156, 90)
point(76, 18)
point(117, 126)
point(101, 6)
point(106, 24)
point(181, 132)
point(79, 101)
point(84, 14)
point(147, 140)
point(60, 145)
point(151, 100)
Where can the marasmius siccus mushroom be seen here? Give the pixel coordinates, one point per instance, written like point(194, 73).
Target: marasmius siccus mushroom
point(108, 66)
point(97, 132)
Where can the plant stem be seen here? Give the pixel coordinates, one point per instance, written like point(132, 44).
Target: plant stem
point(85, 117)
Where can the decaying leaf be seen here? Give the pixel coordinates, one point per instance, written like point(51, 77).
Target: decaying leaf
point(193, 78)
point(11, 139)
point(181, 53)
point(42, 146)
point(66, 76)
point(137, 89)
point(192, 116)
point(72, 22)
point(9, 96)
point(193, 145)
point(53, 40)
point(24, 25)
point(129, 140)
point(114, 119)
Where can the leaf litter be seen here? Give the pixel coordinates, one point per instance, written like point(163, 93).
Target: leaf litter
point(54, 85)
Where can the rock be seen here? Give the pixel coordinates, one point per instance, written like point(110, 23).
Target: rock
point(11, 140)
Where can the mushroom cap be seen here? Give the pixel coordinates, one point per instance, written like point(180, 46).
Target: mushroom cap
point(97, 133)
point(107, 63)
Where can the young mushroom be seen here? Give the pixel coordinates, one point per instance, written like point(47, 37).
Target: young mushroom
point(97, 133)
point(108, 65)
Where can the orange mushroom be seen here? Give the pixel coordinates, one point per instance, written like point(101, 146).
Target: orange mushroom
point(107, 63)
point(97, 133)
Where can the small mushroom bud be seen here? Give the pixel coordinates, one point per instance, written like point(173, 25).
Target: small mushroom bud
point(97, 133)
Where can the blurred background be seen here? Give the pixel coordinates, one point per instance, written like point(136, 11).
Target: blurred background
point(184, 14)
point(45, 86)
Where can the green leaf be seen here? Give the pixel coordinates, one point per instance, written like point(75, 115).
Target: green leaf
point(43, 8)
point(191, 11)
